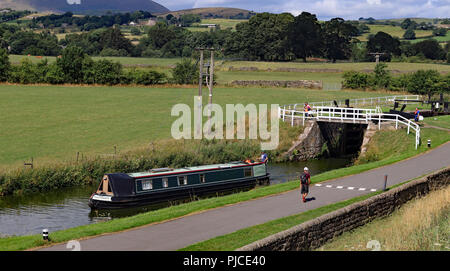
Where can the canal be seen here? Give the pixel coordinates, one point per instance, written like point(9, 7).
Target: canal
point(68, 208)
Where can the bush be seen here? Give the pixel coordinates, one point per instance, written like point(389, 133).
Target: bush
point(143, 77)
point(355, 80)
point(26, 73)
point(382, 77)
point(103, 72)
point(55, 74)
point(113, 52)
point(185, 72)
point(5, 65)
point(409, 34)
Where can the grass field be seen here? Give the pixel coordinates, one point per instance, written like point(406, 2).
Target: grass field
point(55, 122)
point(420, 225)
point(394, 31)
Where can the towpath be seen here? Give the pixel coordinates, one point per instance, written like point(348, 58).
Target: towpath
point(181, 232)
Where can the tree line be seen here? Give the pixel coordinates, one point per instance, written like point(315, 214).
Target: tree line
point(265, 37)
point(74, 66)
point(422, 82)
point(87, 23)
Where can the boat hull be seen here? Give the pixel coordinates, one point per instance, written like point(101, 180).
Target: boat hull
point(175, 194)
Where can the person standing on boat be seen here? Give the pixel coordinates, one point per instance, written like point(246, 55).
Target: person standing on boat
point(305, 181)
point(264, 157)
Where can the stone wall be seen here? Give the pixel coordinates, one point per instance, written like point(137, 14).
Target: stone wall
point(278, 83)
point(309, 143)
point(316, 232)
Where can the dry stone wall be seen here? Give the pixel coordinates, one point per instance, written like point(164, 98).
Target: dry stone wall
point(278, 83)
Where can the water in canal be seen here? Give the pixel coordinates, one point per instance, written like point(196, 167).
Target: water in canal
point(68, 208)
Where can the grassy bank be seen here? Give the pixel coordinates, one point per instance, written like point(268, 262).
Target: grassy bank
point(422, 224)
point(25, 242)
point(53, 123)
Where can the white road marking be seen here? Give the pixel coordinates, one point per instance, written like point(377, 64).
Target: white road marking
point(350, 188)
point(373, 190)
point(339, 187)
point(329, 186)
point(318, 184)
point(362, 189)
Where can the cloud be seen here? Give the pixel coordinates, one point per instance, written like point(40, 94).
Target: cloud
point(326, 9)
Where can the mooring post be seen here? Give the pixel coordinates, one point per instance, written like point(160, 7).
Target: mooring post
point(385, 182)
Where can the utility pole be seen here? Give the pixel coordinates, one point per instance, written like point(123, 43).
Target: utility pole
point(377, 56)
point(209, 77)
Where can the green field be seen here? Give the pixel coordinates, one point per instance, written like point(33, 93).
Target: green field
point(394, 31)
point(55, 122)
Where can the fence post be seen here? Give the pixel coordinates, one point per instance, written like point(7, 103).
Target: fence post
point(396, 122)
point(284, 112)
point(379, 121)
point(408, 126)
point(292, 118)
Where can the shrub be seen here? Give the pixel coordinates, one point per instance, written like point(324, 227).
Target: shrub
point(102, 72)
point(54, 75)
point(185, 72)
point(382, 77)
point(143, 77)
point(5, 65)
point(355, 80)
point(25, 73)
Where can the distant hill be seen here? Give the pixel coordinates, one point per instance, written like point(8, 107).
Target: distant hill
point(208, 13)
point(84, 6)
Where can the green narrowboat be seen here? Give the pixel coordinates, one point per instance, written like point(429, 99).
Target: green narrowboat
point(119, 190)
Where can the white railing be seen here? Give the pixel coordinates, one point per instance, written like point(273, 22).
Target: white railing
point(361, 101)
point(354, 115)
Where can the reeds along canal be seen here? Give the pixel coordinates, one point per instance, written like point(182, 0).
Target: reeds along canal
point(67, 208)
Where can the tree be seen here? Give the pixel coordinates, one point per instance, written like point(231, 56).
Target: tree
point(263, 37)
point(425, 82)
point(71, 64)
point(430, 49)
point(382, 77)
point(337, 36)
point(440, 32)
point(5, 65)
point(409, 34)
point(383, 43)
point(304, 35)
point(408, 24)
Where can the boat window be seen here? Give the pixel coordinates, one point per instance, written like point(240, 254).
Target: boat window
point(247, 172)
point(147, 185)
point(165, 182)
point(202, 178)
point(182, 180)
point(109, 188)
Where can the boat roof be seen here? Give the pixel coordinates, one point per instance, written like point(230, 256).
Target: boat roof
point(171, 171)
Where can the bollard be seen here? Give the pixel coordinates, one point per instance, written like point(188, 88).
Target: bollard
point(45, 234)
point(385, 183)
point(429, 143)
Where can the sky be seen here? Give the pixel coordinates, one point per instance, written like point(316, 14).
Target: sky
point(326, 9)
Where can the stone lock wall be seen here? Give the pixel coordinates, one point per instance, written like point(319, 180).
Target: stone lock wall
point(316, 232)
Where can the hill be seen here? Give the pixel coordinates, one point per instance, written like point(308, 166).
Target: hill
point(209, 13)
point(84, 6)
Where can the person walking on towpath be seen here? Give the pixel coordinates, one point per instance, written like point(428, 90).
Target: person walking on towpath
point(305, 181)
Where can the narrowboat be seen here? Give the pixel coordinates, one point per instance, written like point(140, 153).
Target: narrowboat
point(119, 190)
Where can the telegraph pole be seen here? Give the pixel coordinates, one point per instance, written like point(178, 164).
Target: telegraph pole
point(209, 77)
